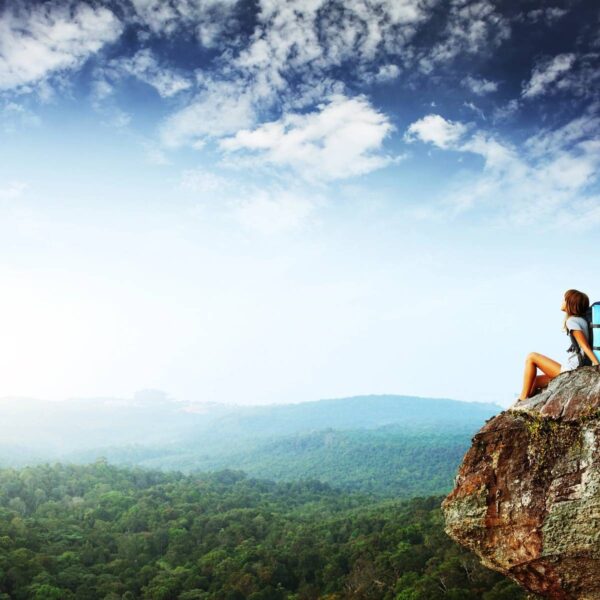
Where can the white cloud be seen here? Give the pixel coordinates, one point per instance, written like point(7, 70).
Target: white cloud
point(360, 31)
point(546, 183)
point(576, 74)
point(471, 28)
point(310, 92)
point(475, 109)
point(497, 155)
point(547, 73)
point(209, 19)
point(436, 130)
point(505, 112)
point(223, 108)
point(300, 41)
point(44, 39)
point(341, 139)
point(548, 15)
point(385, 73)
point(146, 67)
point(159, 16)
point(291, 58)
point(549, 141)
point(479, 86)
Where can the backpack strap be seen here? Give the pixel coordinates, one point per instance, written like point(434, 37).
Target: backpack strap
point(583, 359)
point(595, 329)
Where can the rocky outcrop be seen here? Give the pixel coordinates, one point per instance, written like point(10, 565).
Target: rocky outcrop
point(527, 495)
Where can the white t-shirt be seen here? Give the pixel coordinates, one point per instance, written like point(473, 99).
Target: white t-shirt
point(575, 323)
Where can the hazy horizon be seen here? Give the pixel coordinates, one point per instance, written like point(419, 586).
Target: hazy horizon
point(135, 397)
point(284, 202)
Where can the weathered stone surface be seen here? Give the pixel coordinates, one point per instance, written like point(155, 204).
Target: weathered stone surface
point(527, 495)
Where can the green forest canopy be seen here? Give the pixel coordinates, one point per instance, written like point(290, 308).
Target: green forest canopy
point(99, 531)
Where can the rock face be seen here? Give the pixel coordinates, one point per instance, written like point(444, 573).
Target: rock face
point(527, 495)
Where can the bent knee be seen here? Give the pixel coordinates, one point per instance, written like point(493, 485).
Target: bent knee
point(532, 356)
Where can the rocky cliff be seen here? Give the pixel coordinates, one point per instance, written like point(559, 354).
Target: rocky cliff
point(527, 495)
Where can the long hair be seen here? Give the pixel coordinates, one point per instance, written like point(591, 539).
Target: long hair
point(577, 304)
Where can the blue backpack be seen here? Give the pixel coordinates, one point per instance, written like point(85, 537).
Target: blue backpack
point(592, 316)
point(594, 324)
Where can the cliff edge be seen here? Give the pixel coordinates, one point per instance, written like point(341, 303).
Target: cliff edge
point(527, 495)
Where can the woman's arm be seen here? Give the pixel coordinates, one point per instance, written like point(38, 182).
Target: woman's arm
point(584, 345)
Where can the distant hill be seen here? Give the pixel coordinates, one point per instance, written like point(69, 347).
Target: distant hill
point(367, 412)
point(384, 444)
point(152, 419)
point(52, 429)
point(389, 461)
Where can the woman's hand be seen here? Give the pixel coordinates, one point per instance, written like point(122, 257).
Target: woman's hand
point(584, 345)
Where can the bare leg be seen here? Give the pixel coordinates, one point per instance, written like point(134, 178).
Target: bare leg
point(534, 361)
point(540, 382)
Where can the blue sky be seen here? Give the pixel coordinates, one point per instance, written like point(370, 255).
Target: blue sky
point(260, 202)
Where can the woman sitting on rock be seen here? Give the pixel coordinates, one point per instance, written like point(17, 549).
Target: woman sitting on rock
point(575, 304)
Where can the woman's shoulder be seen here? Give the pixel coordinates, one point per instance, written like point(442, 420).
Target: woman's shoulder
point(574, 322)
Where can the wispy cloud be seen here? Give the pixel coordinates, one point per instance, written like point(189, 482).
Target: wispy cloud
point(548, 141)
point(436, 130)
point(296, 47)
point(385, 73)
point(475, 109)
point(548, 73)
point(471, 28)
point(479, 86)
point(224, 107)
point(341, 139)
point(145, 66)
point(207, 19)
point(548, 15)
point(297, 86)
point(41, 39)
point(548, 181)
point(300, 42)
